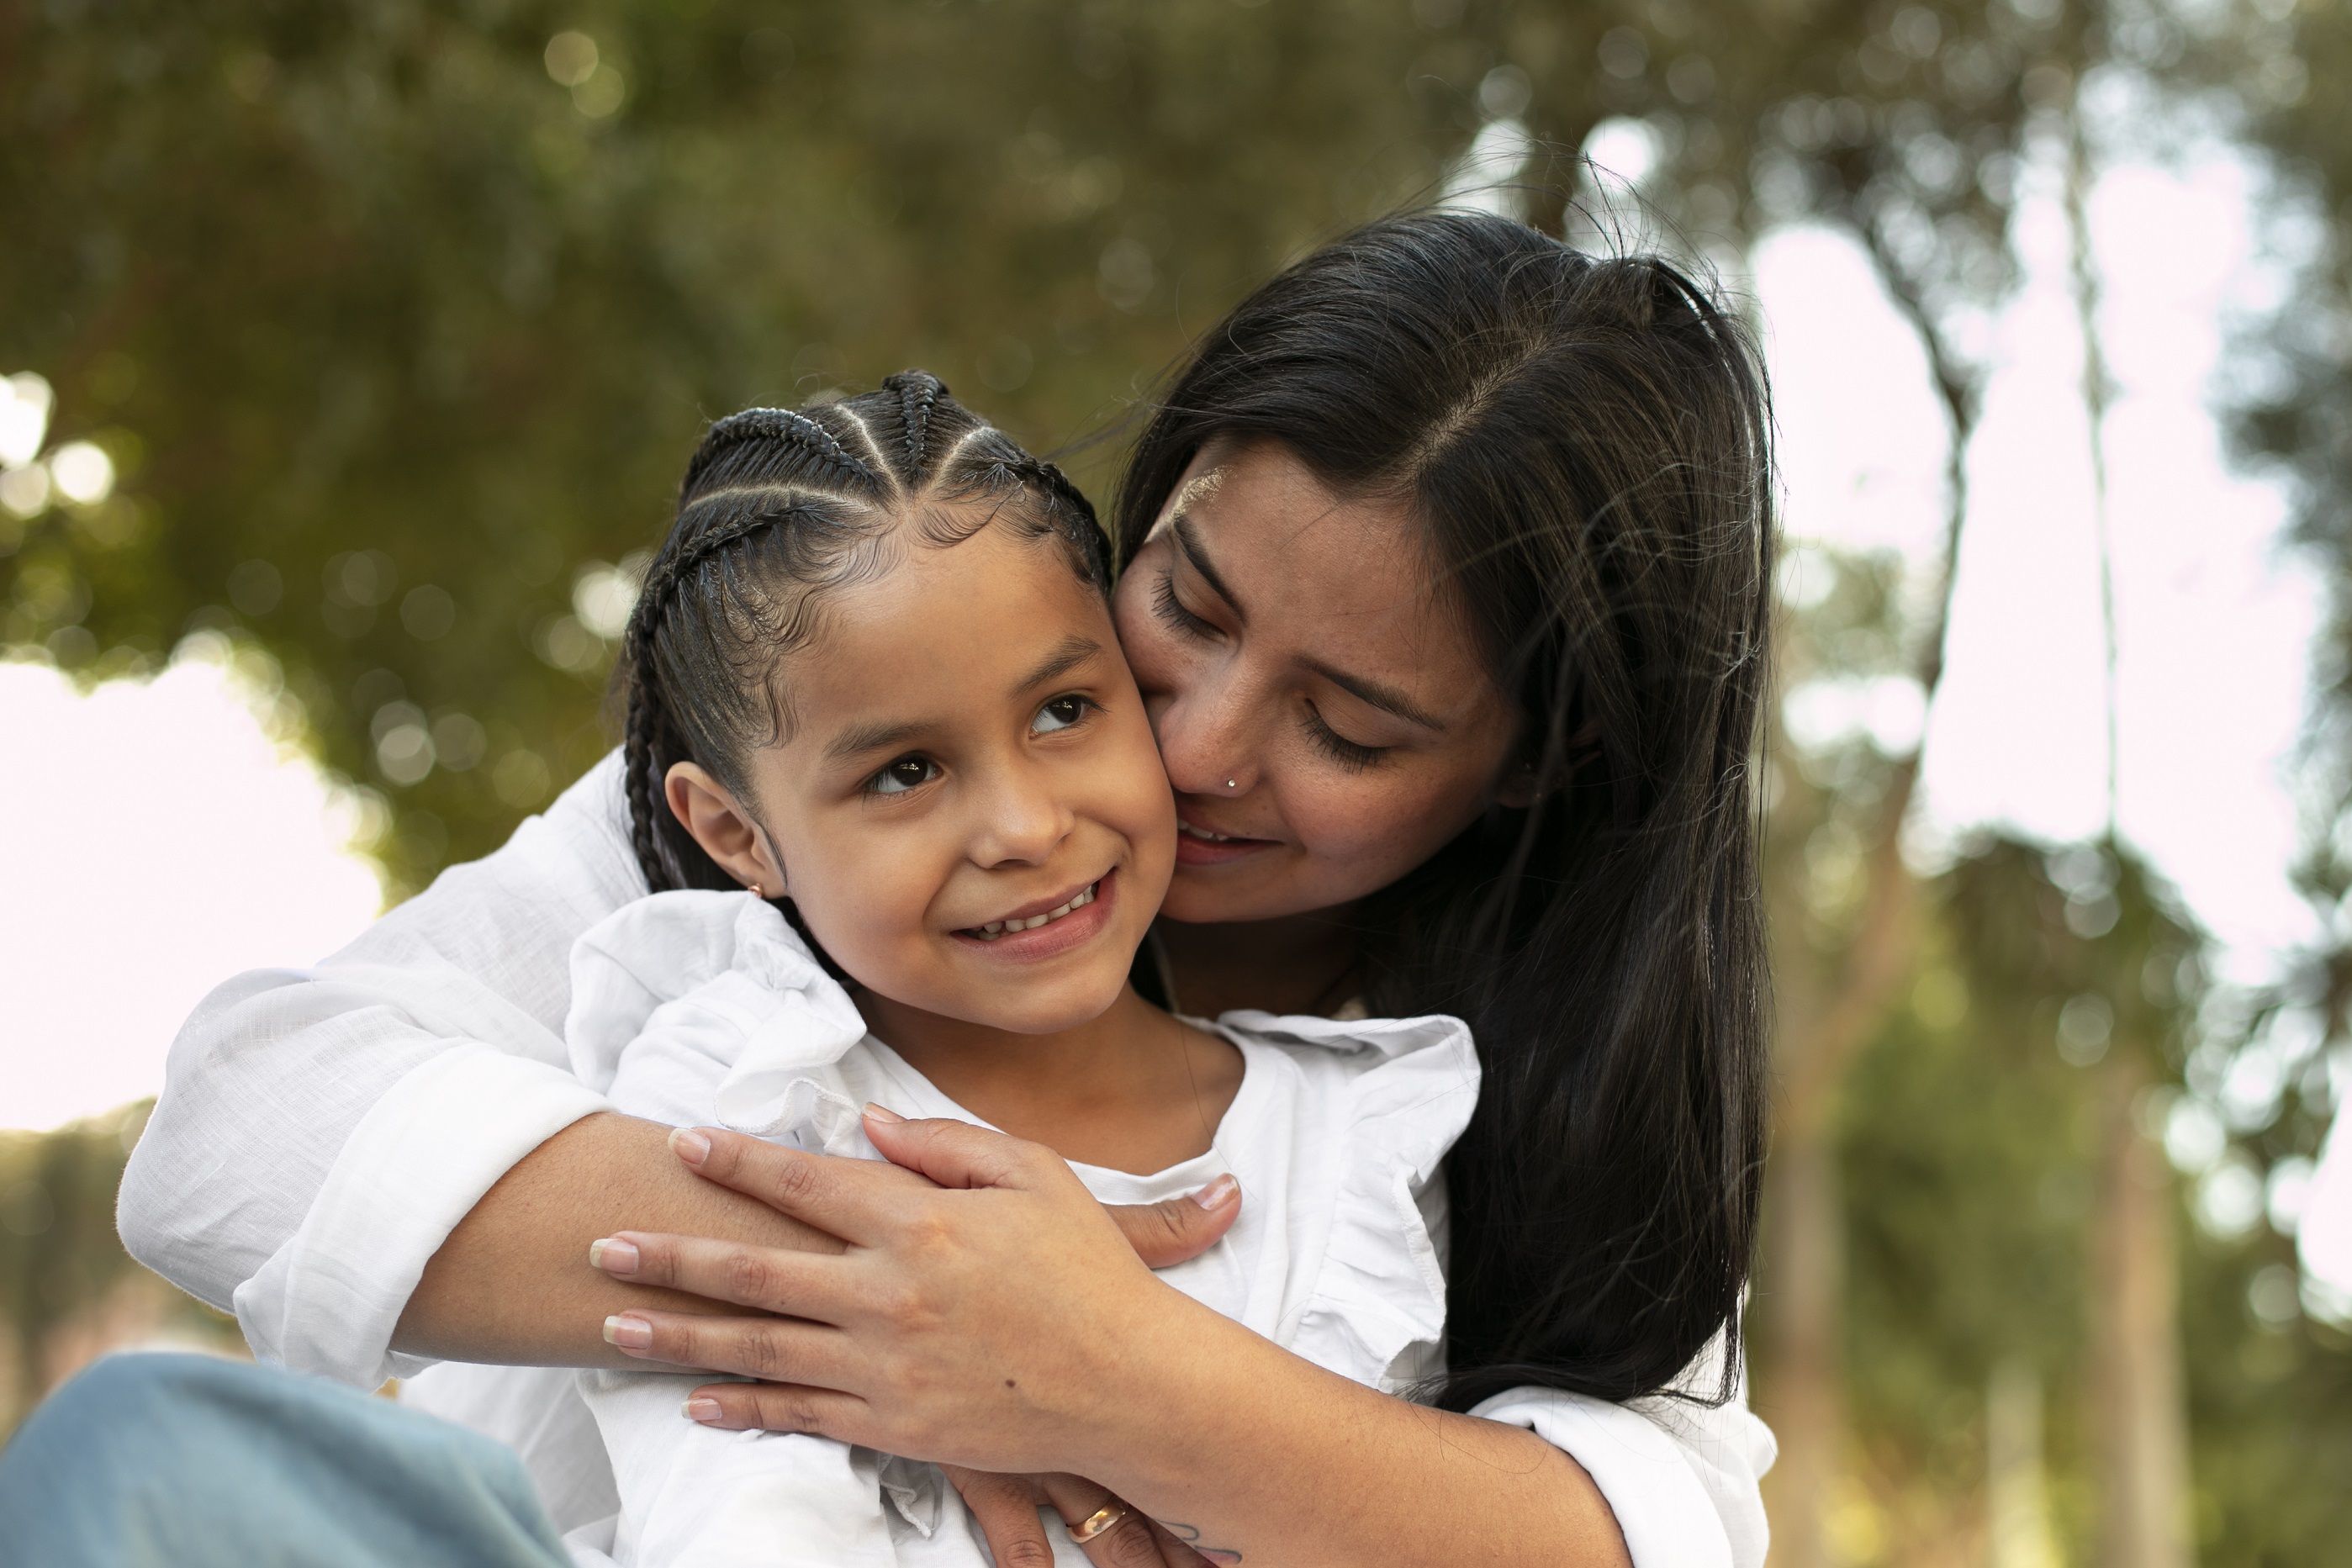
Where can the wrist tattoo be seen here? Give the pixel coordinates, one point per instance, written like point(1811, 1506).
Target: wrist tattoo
point(1191, 1536)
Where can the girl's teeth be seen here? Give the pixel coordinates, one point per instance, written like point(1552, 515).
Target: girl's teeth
point(996, 928)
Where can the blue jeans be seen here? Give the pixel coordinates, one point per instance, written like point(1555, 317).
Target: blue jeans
point(145, 1461)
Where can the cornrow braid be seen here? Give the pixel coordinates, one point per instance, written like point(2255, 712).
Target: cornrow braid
point(773, 424)
point(919, 391)
point(776, 510)
point(1086, 530)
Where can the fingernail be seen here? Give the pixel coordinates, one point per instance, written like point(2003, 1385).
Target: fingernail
point(883, 1114)
point(1218, 1192)
point(699, 1409)
point(613, 1255)
point(628, 1332)
point(689, 1146)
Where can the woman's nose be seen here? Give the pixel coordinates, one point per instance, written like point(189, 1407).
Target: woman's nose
point(1208, 733)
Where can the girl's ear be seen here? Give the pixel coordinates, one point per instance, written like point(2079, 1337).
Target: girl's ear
point(707, 810)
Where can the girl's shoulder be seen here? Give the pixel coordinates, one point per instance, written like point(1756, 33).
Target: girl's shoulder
point(1369, 1054)
point(722, 971)
point(1359, 1115)
point(1387, 1096)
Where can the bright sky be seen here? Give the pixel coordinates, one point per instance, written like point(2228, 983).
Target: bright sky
point(2214, 623)
point(156, 842)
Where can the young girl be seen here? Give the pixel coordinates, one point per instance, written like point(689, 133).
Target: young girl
point(874, 681)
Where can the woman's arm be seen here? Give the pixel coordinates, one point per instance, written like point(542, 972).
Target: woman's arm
point(509, 1285)
point(921, 1340)
point(459, 996)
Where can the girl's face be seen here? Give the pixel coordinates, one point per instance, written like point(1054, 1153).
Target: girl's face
point(1322, 708)
point(968, 807)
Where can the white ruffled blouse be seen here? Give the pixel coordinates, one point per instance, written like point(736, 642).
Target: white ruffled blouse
point(691, 1007)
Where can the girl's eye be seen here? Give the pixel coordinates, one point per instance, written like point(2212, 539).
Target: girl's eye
point(1346, 753)
point(1172, 613)
point(906, 773)
point(1059, 714)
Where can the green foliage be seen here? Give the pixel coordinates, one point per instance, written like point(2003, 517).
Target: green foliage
point(367, 298)
point(67, 1288)
point(392, 334)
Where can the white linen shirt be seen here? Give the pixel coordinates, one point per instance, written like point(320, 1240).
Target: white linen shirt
point(323, 1130)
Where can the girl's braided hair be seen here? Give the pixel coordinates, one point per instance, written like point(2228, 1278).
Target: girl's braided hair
point(778, 507)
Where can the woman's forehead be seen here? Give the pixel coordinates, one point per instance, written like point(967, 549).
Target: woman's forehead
point(1301, 562)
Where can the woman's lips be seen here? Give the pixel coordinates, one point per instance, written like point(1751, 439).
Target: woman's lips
point(1198, 844)
point(1060, 934)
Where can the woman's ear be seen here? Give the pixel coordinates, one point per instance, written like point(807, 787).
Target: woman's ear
point(708, 811)
point(1523, 784)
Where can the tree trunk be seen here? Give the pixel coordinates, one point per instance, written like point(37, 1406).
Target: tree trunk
point(2017, 1493)
point(2139, 1423)
point(1804, 1284)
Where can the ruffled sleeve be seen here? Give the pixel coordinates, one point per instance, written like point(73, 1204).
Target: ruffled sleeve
point(696, 987)
point(1376, 1311)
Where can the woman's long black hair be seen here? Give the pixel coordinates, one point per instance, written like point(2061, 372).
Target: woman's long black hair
point(1587, 441)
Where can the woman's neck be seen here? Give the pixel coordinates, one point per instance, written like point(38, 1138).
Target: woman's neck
point(1131, 1089)
point(1299, 963)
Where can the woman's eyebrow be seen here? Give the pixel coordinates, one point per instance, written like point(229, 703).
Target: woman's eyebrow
point(1188, 539)
point(1387, 698)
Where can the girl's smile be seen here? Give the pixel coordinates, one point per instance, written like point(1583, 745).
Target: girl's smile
point(1047, 929)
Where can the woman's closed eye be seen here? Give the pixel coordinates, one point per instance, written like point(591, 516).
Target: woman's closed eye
point(902, 773)
point(1061, 712)
point(1351, 755)
point(1171, 611)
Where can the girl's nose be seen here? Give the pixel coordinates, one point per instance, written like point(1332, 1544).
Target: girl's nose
point(1022, 820)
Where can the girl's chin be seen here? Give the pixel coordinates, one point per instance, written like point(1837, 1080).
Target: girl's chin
point(1054, 1014)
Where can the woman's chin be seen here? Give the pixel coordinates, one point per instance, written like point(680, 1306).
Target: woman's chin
point(1214, 898)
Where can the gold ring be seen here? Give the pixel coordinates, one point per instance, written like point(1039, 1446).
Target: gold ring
point(1107, 1518)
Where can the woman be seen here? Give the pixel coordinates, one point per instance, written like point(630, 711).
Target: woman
point(1445, 577)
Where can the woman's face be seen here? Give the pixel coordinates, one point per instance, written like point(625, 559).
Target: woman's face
point(1323, 709)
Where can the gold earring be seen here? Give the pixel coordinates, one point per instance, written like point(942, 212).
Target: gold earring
point(755, 891)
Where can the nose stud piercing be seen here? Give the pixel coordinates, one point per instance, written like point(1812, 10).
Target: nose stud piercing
point(1229, 783)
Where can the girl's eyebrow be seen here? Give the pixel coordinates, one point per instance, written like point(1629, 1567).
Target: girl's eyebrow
point(881, 734)
point(1068, 654)
point(877, 734)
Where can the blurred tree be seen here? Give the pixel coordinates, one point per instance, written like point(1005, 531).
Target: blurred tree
point(398, 323)
point(67, 1293)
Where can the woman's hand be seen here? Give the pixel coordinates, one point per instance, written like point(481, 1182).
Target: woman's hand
point(1006, 1508)
point(993, 1317)
point(982, 1323)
